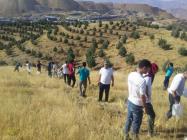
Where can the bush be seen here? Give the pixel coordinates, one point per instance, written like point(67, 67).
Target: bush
point(70, 55)
point(175, 33)
point(152, 36)
point(101, 53)
point(55, 49)
point(124, 39)
point(182, 51)
point(119, 45)
point(163, 44)
point(2, 63)
point(135, 35)
point(91, 61)
point(105, 44)
point(122, 51)
point(183, 36)
point(130, 59)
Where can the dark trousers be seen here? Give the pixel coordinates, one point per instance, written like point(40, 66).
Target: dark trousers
point(104, 88)
point(134, 118)
point(166, 82)
point(65, 77)
point(151, 117)
point(83, 87)
point(71, 78)
point(172, 101)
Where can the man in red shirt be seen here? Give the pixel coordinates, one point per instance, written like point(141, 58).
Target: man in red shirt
point(71, 77)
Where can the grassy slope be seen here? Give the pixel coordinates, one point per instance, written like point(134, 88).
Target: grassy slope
point(38, 108)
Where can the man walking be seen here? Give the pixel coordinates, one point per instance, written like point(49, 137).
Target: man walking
point(65, 71)
point(169, 72)
point(71, 72)
point(84, 76)
point(136, 99)
point(176, 91)
point(105, 78)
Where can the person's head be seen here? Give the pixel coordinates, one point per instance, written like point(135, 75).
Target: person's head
point(185, 74)
point(154, 68)
point(171, 64)
point(144, 66)
point(84, 64)
point(106, 64)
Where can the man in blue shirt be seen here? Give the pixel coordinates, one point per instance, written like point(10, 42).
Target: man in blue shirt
point(169, 72)
point(84, 75)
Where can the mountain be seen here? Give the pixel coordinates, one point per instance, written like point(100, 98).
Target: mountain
point(176, 7)
point(60, 4)
point(14, 7)
point(139, 8)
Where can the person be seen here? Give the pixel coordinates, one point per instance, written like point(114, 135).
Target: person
point(28, 67)
point(71, 74)
point(104, 82)
point(54, 70)
point(18, 65)
point(136, 99)
point(49, 68)
point(84, 75)
point(149, 78)
point(65, 71)
point(169, 72)
point(39, 67)
point(176, 91)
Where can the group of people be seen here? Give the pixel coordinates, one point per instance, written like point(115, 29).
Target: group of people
point(139, 89)
point(140, 92)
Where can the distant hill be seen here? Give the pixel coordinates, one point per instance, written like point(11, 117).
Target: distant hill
point(61, 4)
point(143, 8)
point(15, 7)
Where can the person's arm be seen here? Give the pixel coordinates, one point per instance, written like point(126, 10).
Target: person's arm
point(112, 80)
point(144, 102)
point(143, 93)
point(89, 80)
point(99, 79)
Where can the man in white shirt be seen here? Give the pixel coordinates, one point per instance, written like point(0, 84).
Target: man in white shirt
point(176, 91)
point(136, 99)
point(105, 79)
point(65, 71)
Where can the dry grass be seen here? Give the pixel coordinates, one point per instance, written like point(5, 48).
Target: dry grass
point(38, 108)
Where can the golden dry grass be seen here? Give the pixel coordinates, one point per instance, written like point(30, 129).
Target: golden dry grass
point(38, 108)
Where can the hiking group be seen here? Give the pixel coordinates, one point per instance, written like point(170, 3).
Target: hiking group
point(140, 84)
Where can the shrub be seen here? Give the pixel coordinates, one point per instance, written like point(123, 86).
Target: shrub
point(183, 36)
point(2, 63)
point(163, 44)
point(70, 55)
point(91, 61)
point(182, 51)
point(55, 49)
point(175, 33)
point(130, 59)
point(119, 45)
point(122, 51)
point(105, 44)
point(135, 35)
point(124, 39)
point(101, 53)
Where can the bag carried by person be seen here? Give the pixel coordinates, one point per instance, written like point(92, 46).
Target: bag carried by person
point(177, 110)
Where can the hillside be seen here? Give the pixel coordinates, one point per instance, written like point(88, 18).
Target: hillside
point(140, 8)
point(37, 107)
point(67, 5)
point(16, 7)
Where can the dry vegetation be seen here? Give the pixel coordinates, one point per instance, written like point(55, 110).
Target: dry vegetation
point(34, 107)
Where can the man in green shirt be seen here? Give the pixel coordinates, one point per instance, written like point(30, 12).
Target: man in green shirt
point(84, 75)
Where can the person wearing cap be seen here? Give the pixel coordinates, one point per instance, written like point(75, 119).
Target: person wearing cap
point(149, 78)
point(175, 91)
point(104, 82)
point(136, 99)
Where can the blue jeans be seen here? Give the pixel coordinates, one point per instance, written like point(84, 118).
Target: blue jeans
point(134, 118)
point(166, 82)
